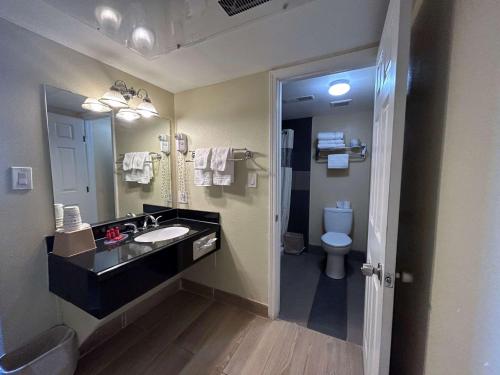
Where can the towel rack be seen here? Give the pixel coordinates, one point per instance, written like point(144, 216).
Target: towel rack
point(357, 153)
point(154, 156)
point(247, 154)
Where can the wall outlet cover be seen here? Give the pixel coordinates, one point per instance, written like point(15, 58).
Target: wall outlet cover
point(252, 180)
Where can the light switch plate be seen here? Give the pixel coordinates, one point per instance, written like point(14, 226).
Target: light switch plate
point(252, 179)
point(22, 178)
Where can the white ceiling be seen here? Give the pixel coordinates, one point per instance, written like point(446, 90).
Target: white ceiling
point(316, 29)
point(362, 83)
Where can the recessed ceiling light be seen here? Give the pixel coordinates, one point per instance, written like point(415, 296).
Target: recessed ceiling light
point(108, 18)
point(143, 38)
point(339, 87)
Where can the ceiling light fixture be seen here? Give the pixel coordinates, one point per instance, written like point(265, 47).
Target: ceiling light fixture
point(339, 87)
point(118, 97)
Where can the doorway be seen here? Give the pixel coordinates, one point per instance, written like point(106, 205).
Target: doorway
point(324, 204)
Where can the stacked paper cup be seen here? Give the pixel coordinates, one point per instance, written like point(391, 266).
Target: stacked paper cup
point(59, 214)
point(72, 220)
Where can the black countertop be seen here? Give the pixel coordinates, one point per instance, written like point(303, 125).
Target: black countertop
point(101, 281)
point(108, 257)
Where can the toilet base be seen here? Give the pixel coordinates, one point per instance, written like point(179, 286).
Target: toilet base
point(335, 267)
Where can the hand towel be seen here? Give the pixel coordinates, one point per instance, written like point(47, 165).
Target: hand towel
point(219, 159)
point(338, 161)
point(330, 135)
point(202, 158)
point(203, 177)
point(225, 177)
point(127, 161)
point(144, 171)
point(139, 159)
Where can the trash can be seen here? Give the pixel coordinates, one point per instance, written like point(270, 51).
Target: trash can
point(293, 243)
point(54, 352)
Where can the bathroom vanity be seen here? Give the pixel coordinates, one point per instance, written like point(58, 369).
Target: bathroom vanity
point(102, 280)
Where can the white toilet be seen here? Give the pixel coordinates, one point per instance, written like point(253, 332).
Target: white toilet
point(336, 242)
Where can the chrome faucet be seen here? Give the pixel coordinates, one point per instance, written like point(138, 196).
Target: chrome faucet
point(134, 227)
point(154, 220)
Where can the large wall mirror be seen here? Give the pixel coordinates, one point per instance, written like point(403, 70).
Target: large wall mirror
point(107, 166)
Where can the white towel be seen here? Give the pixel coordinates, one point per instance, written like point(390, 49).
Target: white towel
point(332, 146)
point(329, 141)
point(203, 177)
point(144, 171)
point(225, 177)
point(139, 159)
point(219, 158)
point(202, 158)
point(127, 161)
point(330, 135)
point(338, 161)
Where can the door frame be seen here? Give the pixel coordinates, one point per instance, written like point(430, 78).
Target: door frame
point(355, 59)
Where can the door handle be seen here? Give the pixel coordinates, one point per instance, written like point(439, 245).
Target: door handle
point(369, 270)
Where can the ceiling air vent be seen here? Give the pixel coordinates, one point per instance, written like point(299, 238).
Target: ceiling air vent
point(300, 99)
point(233, 7)
point(340, 103)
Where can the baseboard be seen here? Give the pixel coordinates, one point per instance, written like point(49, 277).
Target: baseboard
point(115, 325)
point(225, 297)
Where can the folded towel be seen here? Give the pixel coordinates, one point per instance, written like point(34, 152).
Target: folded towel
point(202, 158)
point(333, 142)
point(202, 177)
point(127, 161)
point(226, 176)
point(219, 159)
point(332, 146)
point(139, 159)
point(142, 175)
point(330, 135)
point(344, 204)
point(338, 161)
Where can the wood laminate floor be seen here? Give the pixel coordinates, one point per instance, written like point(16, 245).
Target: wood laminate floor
point(188, 334)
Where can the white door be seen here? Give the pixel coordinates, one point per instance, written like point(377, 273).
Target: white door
point(69, 163)
point(387, 154)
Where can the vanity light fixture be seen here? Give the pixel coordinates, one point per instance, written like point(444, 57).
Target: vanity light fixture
point(95, 105)
point(118, 97)
point(146, 109)
point(339, 87)
point(128, 114)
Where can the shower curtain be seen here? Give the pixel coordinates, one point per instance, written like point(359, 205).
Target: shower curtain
point(286, 177)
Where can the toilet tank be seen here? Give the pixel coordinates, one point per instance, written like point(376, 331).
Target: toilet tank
point(338, 219)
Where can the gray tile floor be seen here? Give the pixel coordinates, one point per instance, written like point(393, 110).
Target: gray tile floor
point(311, 299)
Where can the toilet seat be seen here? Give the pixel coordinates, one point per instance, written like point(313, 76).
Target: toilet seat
point(335, 239)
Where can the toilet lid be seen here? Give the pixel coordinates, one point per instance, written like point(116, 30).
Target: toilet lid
point(336, 239)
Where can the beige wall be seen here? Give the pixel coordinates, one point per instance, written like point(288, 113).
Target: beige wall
point(353, 184)
point(233, 113)
point(464, 326)
point(138, 136)
point(26, 62)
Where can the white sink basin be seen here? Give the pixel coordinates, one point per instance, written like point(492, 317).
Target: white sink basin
point(162, 234)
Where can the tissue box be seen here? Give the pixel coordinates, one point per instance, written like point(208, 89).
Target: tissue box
point(67, 244)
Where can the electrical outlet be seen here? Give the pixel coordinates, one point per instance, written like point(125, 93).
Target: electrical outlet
point(183, 197)
point(252, 180)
